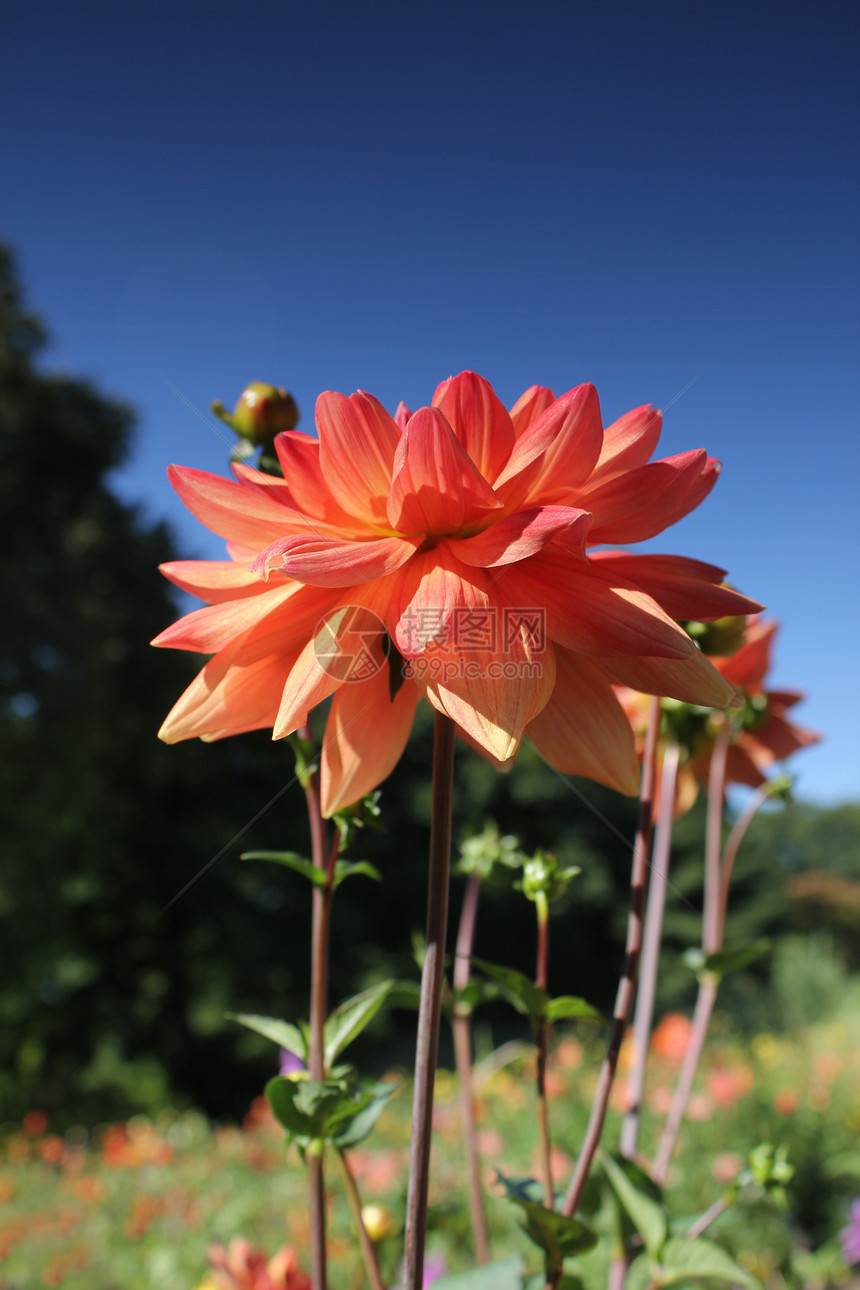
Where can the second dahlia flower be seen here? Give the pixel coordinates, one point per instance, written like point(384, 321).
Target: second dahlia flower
point(445, 555)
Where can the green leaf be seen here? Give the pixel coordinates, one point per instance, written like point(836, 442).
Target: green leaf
point(645, 1211)
point(566, 1005)
point(403, 994)
point(504, 1275)
point(292, 860)
point(468, 997)
point(350, 1018)
point(364, 1121)
point(518, 989)
point(347, 868)
point(538, 1282)
point(701, 1260)
point(280, 1032)
point(554, 1233)
point(730, 959)
point(337, 1110)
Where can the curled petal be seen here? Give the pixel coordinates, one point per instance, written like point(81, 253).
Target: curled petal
point(479, 420)
point(555, 455)
point(333, 562)
point(365, 735)
point(358, 440)
point(643, 502)
point(437, 489)
point(583, 730)
point(521, 535)
point(686, 589)
point(529, 407)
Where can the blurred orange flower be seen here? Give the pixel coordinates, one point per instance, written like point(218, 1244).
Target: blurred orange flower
point(240, 1267)
point(454, 539)
point(671, 1037)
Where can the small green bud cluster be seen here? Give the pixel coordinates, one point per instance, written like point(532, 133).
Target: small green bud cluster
point(544, 879)
point(483, 853)
point(721, 638)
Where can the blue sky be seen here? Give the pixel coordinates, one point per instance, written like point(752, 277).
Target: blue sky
point(661, 199)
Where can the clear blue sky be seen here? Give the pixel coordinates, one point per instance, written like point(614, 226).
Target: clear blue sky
point(335, 196)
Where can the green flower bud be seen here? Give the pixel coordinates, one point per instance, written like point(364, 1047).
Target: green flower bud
point(721, 638)
point(544, 879)
point(262, 411)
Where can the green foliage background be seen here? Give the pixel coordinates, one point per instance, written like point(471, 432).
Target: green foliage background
point(112, 999)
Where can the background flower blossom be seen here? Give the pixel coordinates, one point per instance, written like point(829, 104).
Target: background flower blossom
point(460, 511)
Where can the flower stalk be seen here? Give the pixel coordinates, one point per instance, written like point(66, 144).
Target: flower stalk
point(368, 1250)
point(429, 1011)
point(462, 1031)
point(542, 1041)
point(626, 986)
point(652, 937)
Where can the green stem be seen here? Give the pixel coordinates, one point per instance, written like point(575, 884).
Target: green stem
point(462, 1030)
point(431, 998)
point(320, 909)
point(368, 1250)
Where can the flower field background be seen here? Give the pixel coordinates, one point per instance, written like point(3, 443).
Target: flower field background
point(136, 1204)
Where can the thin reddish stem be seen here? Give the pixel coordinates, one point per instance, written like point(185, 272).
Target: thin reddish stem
point(732, 847)
point(542, 1042)
point(652, 937)
point(431, 998)
point(368, 1250)
point(624, 997)
point(701, 1018)
point(462, 1029)
point(713, 841)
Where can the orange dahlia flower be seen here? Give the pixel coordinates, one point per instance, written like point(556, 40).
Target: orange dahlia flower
point(760, 730)
point(444, 555)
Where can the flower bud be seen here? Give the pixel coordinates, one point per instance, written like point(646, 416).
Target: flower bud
point(377, 1221)
point(721, 638)
point(262, 411)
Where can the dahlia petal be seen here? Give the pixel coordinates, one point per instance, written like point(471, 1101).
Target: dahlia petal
point(234, 511)
point(691, 680)
point(365, 735)
point(491, 695)
point(214, 580)
point(591, 611)
point(437, 489)
point(641, 503)
point(219, 702)
point(742, 767)
point(583, 730)
point(686, 589)
point(517, 536)
point(782, 738)
point(333, 562)
point(748, 667)
point(529, 407)
point(205, 631)
point(555, 455)
point(299, 456)
point(628, 442)
point(401, 416)
point(346, 649)
point(358, 440)
point(479, 420)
